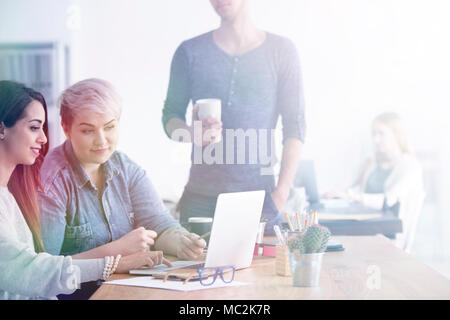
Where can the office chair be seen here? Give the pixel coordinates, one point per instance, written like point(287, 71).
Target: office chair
point(411, 205)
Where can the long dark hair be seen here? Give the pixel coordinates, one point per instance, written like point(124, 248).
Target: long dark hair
point(25, 179)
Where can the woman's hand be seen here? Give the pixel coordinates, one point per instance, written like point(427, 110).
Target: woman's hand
point(141, 259)
point(134, 241)
point(351, 195)
point(190, 246)
point(354, 196)
point(334, 195)
point(211, 129)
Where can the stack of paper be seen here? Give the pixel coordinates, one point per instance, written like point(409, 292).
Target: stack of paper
point(151, 282)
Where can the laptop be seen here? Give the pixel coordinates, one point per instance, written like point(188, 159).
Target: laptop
point(233, 234)
point(306, 177)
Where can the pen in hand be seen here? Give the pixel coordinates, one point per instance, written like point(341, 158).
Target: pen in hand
point(203, 236)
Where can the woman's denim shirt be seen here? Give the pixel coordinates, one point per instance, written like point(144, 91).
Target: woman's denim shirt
point(75, 219)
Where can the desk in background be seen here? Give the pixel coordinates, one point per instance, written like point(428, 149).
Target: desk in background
point(387, 225)
point(371, 267)
point(356, 220)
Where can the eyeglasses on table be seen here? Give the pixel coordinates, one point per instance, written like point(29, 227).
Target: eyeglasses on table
point(208, 275)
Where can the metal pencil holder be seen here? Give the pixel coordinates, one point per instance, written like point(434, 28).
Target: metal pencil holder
point(305, 268)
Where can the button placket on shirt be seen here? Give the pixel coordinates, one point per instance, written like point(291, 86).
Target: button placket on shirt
point(231, 93)
point(107, 211)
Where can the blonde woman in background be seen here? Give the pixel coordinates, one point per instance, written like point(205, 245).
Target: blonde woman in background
point(392, 172)
point(391, 180)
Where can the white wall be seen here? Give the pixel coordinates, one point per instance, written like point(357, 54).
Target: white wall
point(359, 58)
point(131, 43)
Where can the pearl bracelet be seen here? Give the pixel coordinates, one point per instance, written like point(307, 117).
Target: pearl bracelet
point(111, 264)
point(107, 269)
point(116, 263)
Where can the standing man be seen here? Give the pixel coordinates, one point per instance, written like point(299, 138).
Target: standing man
point(256, 75)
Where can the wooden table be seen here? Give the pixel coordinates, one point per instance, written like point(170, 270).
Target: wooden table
point(371, 267)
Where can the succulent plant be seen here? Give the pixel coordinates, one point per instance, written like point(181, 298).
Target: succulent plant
point(295, 242)
point(316, 238)
point(313, 240)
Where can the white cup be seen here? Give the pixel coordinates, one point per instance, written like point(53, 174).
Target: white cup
point(210, 108)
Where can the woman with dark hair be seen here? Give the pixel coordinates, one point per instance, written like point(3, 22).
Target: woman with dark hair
point(26, 271)
point(24, 178)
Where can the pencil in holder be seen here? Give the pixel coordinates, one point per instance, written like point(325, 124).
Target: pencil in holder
point(282, 265)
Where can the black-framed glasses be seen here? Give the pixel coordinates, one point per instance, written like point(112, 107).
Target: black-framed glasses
point(209, 275)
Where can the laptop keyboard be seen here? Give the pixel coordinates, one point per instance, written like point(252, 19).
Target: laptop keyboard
point(194, 267)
